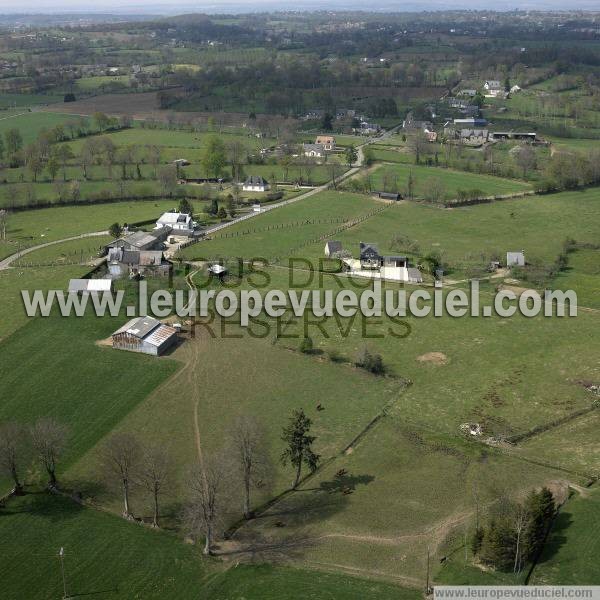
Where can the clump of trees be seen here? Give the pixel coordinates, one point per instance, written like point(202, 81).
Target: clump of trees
point(43, 443)
point(370, 361)
point(516, 531)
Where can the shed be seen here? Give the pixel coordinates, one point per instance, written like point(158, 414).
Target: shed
point(515, 259)
point(332, 247)
point(85, 286)
point(144, 334)
point(389, 195)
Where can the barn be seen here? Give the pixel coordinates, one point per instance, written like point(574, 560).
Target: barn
point(144, 334)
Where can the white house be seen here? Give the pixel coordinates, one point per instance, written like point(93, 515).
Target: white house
point(493, 88)
point(255, 183)
point(332, 247)
point(180, 223)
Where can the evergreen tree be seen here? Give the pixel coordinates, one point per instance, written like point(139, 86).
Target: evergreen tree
point(298, 449)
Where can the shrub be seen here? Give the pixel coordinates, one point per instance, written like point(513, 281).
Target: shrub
point(370, 362)
point(306, 345)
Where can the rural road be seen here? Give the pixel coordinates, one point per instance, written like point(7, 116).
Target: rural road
point(6, 262)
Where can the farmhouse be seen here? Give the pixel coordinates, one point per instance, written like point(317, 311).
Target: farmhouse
point(146, 335)
point(86, 286)
point(255, 183)
point(327, 141)
point(474, 136)
point(313, 150)
point(136, 263)
point(142, 240)
point(493, 88)
point(468, 93)
point(369, 256)
point(515, 259)
point(332, 247)
point(180, 223)
point(366, 128)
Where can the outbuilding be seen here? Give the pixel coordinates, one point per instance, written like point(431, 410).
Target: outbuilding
point(144, 334)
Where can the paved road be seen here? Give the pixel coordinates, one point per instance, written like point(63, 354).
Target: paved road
point(5, 263)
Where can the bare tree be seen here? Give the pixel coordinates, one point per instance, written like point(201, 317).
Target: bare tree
point(155, 473)
point(251, 458)
point(48, 437)
point(520, 521)
point(120, 457)
point(203, 512)
point(11, 449)
point(3, 222)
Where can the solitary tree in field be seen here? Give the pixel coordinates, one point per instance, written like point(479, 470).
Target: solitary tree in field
point(14, 142)
point(167, 176)
point(11, 452)
point(120, 458)
point(155, 473)
point(53, 167)
point(351, 155)
point(64, 153)
point(250, 456)
point(215, 158)
point(48, 438)
point(298, 445)
point(3, 223)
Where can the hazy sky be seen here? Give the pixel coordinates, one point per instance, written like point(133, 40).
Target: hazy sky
point(229, 6)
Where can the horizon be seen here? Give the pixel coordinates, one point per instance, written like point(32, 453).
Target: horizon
point(139, 7)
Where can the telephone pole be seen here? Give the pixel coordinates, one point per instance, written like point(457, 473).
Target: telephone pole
point(61, 556)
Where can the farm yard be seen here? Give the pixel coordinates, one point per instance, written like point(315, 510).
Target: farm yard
point(389, 454)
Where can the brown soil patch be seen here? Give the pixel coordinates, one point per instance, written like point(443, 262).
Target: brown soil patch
point(437, 358)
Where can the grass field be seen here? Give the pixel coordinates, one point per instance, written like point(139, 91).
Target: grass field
point(31, 123)
point(422, 485)
point(22, 100)
point(210, 390)
point(33, 227)
point(395, 177)
point(12, 281)
point(81, 251)
point(256, 237)
point(570, 554)
point(110, 558)
point(583, 276)
point(93, 402)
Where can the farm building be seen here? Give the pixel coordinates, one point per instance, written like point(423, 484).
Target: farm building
point(332, 247)
point(180, 223)
point(86, 286)
point(515, 259)
point(313, 150)
point(146, 335)
point(365, 128)
point(327, 141)
point(255, 183)
point(388, 195)
point(493, 88)
point(142, 240)
point(135, 263)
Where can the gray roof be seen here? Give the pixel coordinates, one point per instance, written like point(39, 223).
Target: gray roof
point(393, 257)
point(314, 148)
point(255, 180)
point(414, 273)
point(364, 246)
point(334, 246)
point(139, 326)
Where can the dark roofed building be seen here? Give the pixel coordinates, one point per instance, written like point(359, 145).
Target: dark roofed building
point(369, 256)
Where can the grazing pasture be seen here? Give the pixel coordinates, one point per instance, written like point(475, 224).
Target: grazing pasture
point(396, 177)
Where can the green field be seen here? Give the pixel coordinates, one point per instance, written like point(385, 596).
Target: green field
point(31, 123)
point(92, 403)
point(33, 227)
point(572, 548)
point(259, 237)
point(395, 177)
